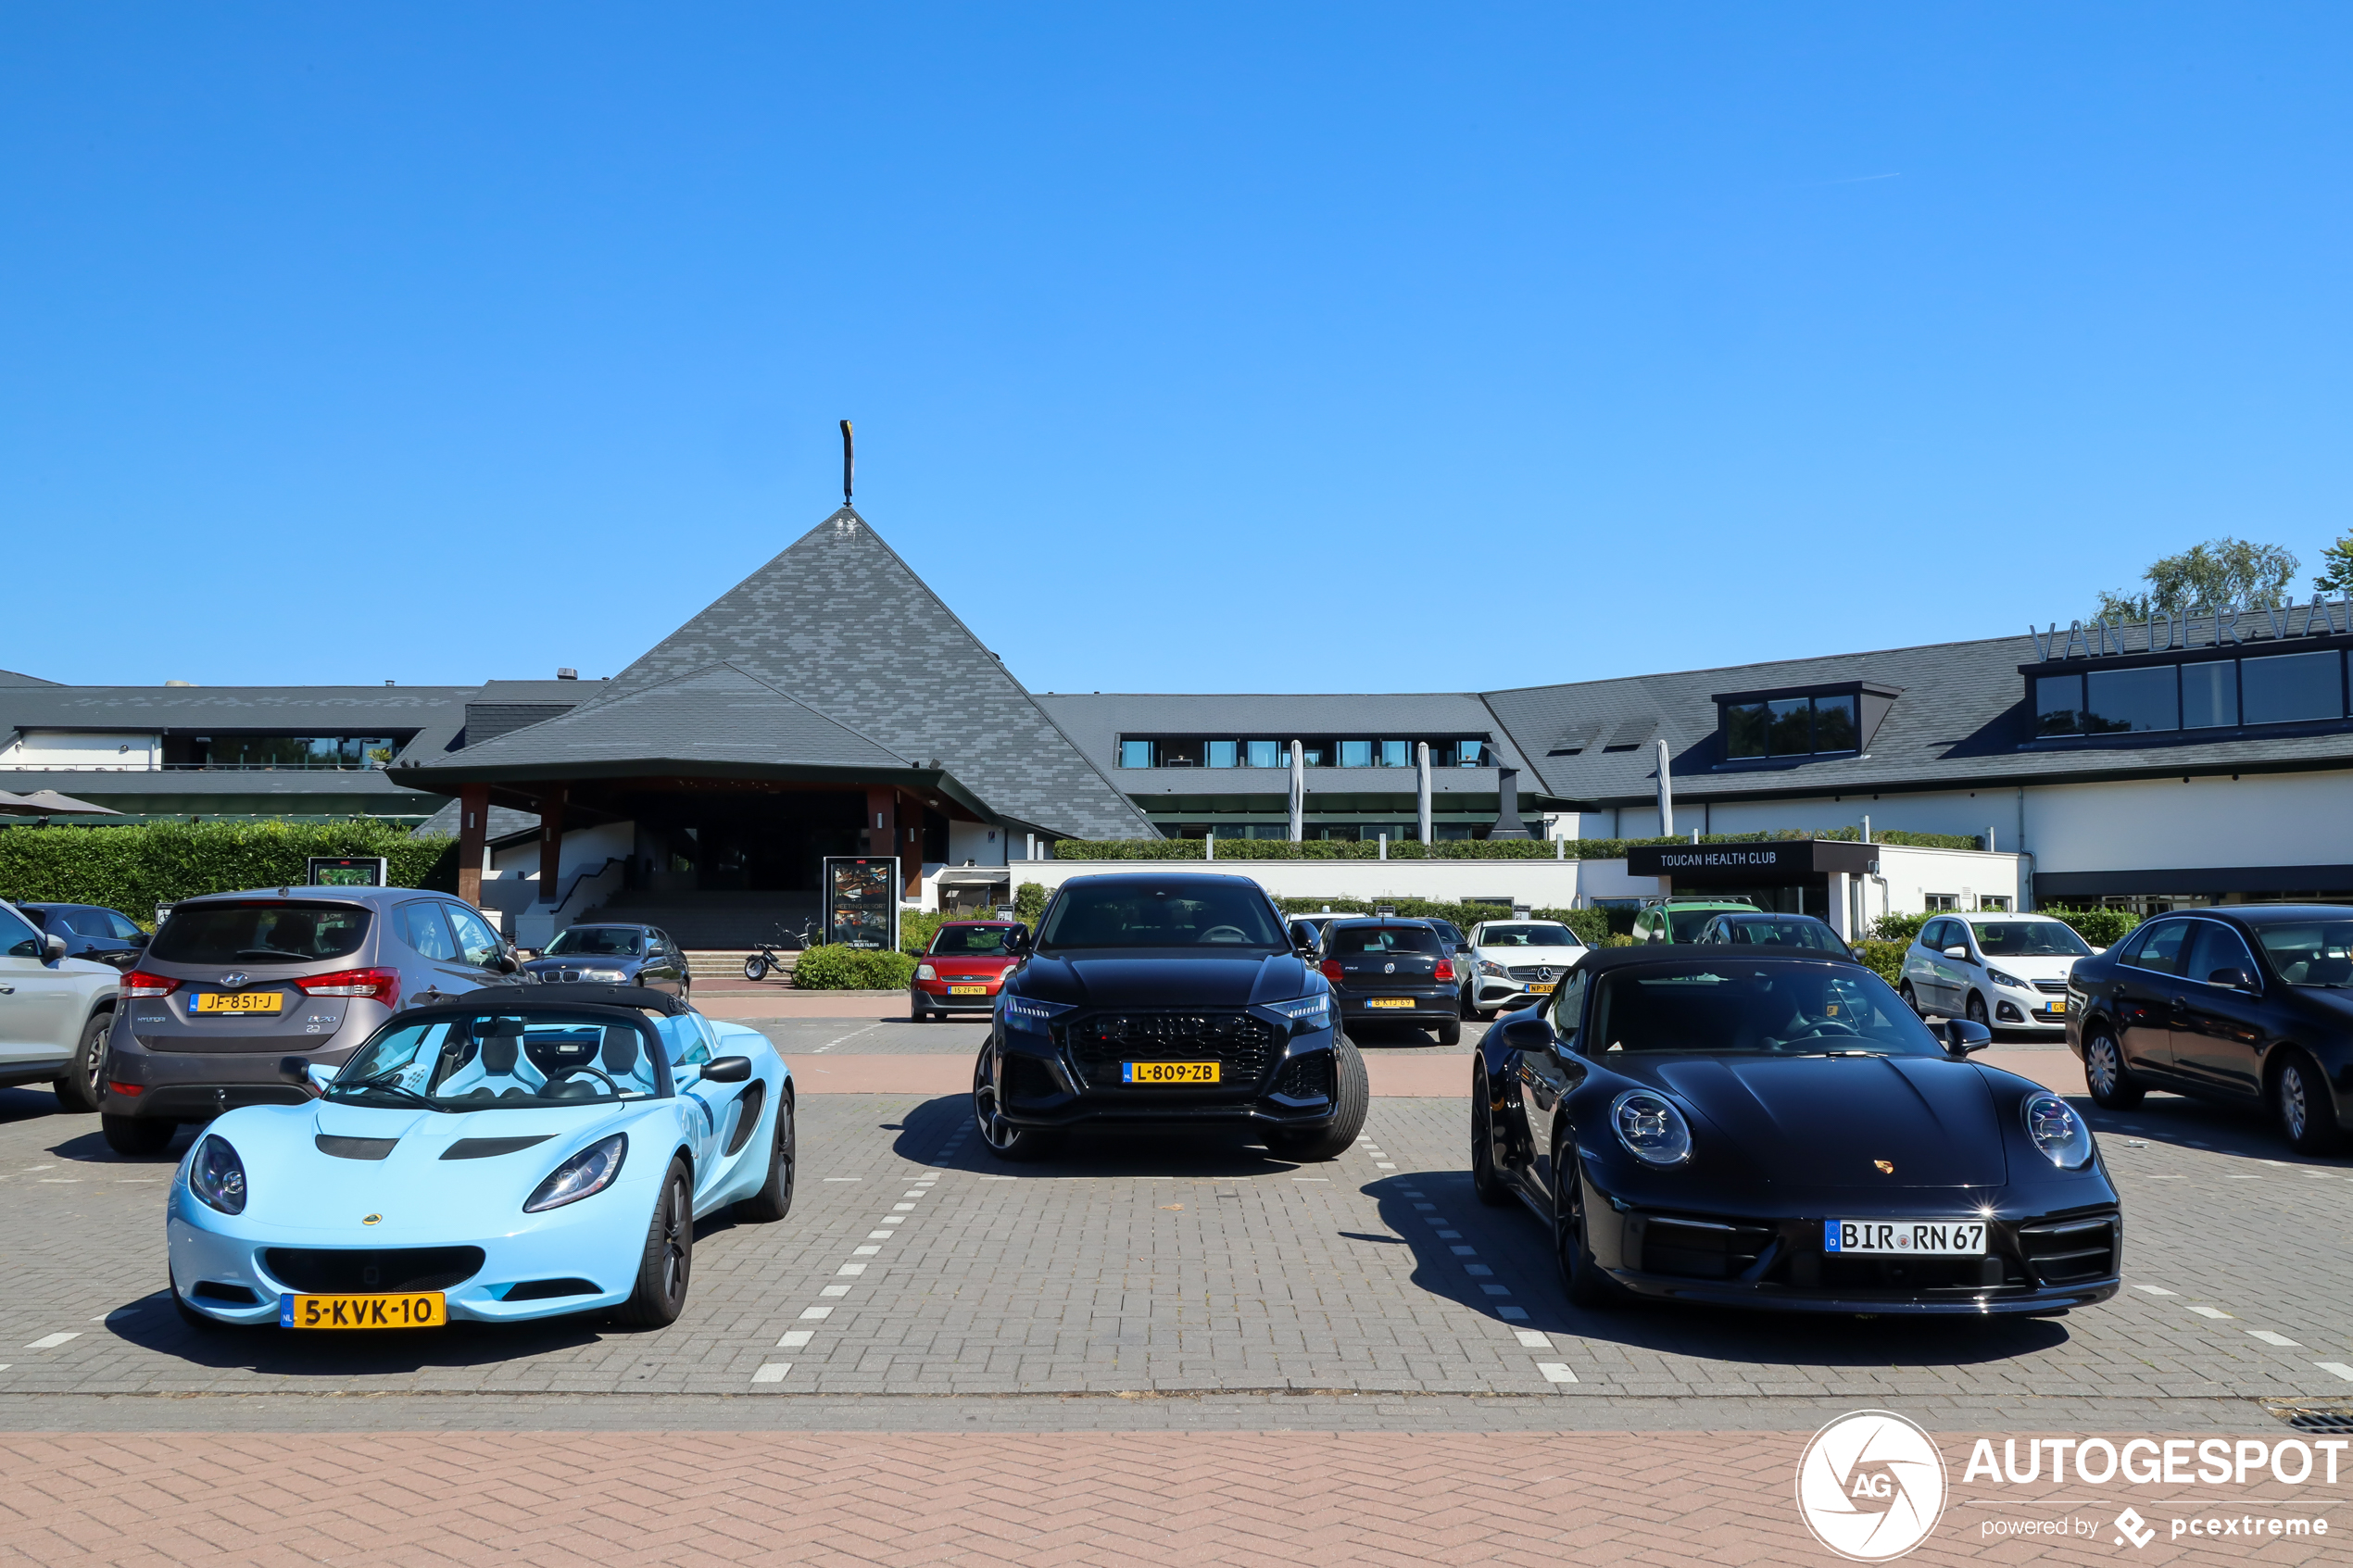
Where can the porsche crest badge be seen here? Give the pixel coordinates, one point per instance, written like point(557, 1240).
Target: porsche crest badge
point(1887, 1167)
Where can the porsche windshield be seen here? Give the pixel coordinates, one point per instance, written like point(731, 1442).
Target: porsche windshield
point(1136, 914)
point(1754, 1008)
point(485, 1062)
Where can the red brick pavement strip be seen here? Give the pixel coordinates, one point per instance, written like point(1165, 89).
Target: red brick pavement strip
point(909, 1499)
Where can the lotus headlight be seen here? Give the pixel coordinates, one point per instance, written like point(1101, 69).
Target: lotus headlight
point(1307, 1012)
point(589, 1172)
point(1652, 1129)
point(1489, 966)
point(2012, 981)
point(217, 1176)
point(2057, 1130)
point(608, 976)
point(925, 972)
point(1035, 1016)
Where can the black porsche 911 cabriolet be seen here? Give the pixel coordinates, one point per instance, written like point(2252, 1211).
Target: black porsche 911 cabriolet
point(1774, 1128)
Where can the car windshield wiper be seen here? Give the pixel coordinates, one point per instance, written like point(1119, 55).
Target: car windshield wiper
point(383, 1083)
point(272, 953)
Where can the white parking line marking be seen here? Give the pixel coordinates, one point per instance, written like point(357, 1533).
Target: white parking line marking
point(2336, 1368)
point(1477, 1270)
point(51, 1341)
point(1421, 1206)
point(903, 1208)
point(1463, 1251)
point(917, 1193)
point(2320, 1175)
point(863, 1251)
point(892, 1220)
point(61, 1181)
point(2242, 1178)
point(808, 1312)
point(1535, 1339)
point(2282, 1340)
point(1000, 1178)
point(852, 1269)
point(845, 1178)
point(1497, 1289)
point(1515, 1314)
point(2153, 1289)
point(2165, 1178)
point(1384, 1167)
point(773, 1373)
point(1555, 1372)
point(1311, 1178)
point(795, 1339)
point(1448, 1235)
point(2208, 1312)
point(1412, 1192)
point(835, 1290)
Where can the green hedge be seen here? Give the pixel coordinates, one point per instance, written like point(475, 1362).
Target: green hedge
point(1900, 929)
point(134, 869)
point(916, 928)
point(1883, 959)
point(1029, 903)
point(2101, 928)
point(852, 969)
point(1454, 848)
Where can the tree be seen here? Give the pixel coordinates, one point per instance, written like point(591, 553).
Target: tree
point(2337, 561)
point(2221, 572)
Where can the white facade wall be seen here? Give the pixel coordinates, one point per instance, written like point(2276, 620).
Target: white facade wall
point(2158, 824)
point(37, 749)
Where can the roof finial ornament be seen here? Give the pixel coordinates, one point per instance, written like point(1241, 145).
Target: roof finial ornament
point(848, 462)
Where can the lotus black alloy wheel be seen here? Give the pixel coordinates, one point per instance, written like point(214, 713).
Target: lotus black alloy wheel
point(1485, 1181)
point(2301, 1106)
point(1580, 1276)
point(668, 1261)
point(773, 1201)
point(2113, 1086)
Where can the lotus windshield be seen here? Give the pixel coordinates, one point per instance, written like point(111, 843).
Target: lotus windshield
point(1754, 1008)
point(1527, 936)
point(1134, 915)
point(485, 1062)
point(2029, 939)
point(595, 941)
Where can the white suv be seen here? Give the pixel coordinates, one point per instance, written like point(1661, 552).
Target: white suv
point(1512, 962)
point(55, 1013)
point(2006, 972)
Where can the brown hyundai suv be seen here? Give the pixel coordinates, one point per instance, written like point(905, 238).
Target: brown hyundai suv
point(233, 982)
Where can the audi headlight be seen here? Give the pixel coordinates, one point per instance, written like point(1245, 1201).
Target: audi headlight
point(2057, 1131)
point(925, 972)
point(2012, 981)
point(217, 1176)
point(1488, 966)
point(1307, 1012)
point(609, 976)
point(1035, 1016)
point(1652, 1129)
point(585, 1173)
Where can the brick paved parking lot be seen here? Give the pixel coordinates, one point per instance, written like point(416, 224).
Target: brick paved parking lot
point(1178, 1299)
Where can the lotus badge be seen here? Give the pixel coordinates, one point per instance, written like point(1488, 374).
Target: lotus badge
point(372, 1219)
point(1887, 1167)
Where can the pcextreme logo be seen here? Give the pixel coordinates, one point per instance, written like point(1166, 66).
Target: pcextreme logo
point(1871, 1486)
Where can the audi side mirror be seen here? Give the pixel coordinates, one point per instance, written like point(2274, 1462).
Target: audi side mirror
point(727, 1070)
point(1963, 1036)
point(2237, 979)
point(1528, 1034)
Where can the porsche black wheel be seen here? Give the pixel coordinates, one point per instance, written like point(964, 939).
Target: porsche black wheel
point(773, 1201)
point(1004, 1140)
point(1352, 1101)
point(2302, 1107)
point(77, 1090)
point(668, 1259)
point(2112, 1084)
point(1486, 1181)
point(1581, 1277)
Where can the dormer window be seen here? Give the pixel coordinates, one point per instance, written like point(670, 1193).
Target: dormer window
point(1787, 725)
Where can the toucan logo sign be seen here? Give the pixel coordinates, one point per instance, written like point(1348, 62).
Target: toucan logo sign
point(1871, 1486)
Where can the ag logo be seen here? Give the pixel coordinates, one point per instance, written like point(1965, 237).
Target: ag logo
point(1871, 1486)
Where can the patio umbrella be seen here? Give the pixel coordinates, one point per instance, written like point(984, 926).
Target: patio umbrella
point(49, 803)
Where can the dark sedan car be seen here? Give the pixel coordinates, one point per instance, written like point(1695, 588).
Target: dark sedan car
point(90, 931)
point(1394, 972)
point(610, 954)
point(1772, 1127)
point(2249, 1005)
point(1171, 1000)
point(1775, 931)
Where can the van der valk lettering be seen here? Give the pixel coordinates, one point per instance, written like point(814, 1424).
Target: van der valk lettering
point(2164, 630)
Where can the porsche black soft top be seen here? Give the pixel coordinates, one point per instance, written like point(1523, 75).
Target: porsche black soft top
point(525, 998)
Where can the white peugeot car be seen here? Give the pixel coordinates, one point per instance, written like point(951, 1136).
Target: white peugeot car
point(1512, 962)
point(55, 1013)
point(2006, 972)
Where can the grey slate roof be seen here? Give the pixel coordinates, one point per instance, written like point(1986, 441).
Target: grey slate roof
point(503, 822)
point(145, 709)
point(845, 627)
point(16, 678)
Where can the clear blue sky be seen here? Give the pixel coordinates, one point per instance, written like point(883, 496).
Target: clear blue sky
point(1253, 347)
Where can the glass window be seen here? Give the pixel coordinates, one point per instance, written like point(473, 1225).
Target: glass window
point(2210, 694)
point(2121, 700)
point(2059, 704)
point(125, 929)
point(1311, 754)
point(970, 941)
point(1744, 729)
point(1756, 1007)
point(1382, 939)
point(17, 940)
point(421, 928)
point(686, 1043)
point(487, 1062)
point(259, 932)
point(1790, 726)
point(2288, 687)
point(1568, 1008)
point(1135, 754)
point(1179, 754)
point(476, 941)
point(1221, 754)
point(1116, 912)
point(1537, 934)
point(2310, 952)
point(2161, 948)
point(2030, 939)
point(1835, 728)
point(1471, 754)
point(1265, 753)
point(594, 941)
point(1356, 754)
point(2219, 947)
point(1397, 754)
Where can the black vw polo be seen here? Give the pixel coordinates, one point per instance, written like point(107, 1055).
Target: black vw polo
point(1394, 972)
point(1166, 1000)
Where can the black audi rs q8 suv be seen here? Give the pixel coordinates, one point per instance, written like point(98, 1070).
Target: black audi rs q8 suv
point(1166, 1000)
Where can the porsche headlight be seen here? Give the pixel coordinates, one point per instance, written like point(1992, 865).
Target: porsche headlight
point(1489, 966)
point(217, 1176)
point(589, 1172)
point(2012, 981)
point(2057, 1131)
point(925, 972)
point(1652, 1129)
point(608, 976)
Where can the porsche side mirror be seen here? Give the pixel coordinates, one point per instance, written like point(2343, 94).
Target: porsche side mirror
point(1963, 1036)
point(52, 949)
point(1017, 939)
point(727, 1070)
point(2237, 979)
point(1528, 1034)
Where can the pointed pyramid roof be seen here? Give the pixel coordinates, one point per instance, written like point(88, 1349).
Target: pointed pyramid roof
point(857, 665)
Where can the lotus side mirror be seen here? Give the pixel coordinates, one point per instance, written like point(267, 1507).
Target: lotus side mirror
point(1963, 1036)
point(1960, 953)
point(295, 1070)
point(1528, 1034)
point(727, 1070)
point(2237, 979)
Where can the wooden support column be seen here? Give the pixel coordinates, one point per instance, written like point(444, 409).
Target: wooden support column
point(910, 848)
point(551, 842)
point(881, 804)
point(473, 832)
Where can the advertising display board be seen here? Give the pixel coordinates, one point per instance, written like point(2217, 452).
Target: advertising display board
point(861, 902)
point(363, 871)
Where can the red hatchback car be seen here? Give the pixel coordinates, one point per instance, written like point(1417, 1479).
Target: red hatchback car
point(962, 969)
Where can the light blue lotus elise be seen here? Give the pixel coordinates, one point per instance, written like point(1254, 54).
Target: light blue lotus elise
point(521, 1153)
